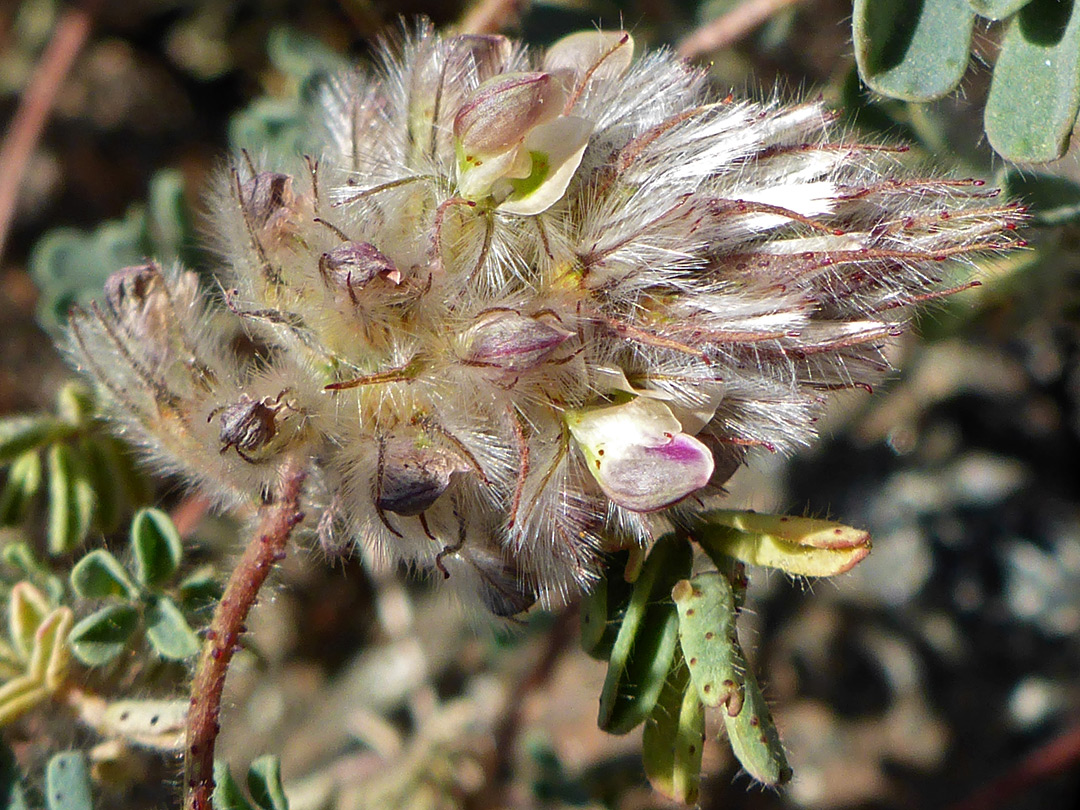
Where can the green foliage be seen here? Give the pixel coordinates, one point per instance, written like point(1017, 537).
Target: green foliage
point(139, 598)
point(721, 675)
point(646, 640)
point(88, 476)
point(916, 50)
point(603, 607)
point(674, 739)
point(915, 54)
point(263, 784)
point(67, 782)
point(70, 266)
point(799, 546)
point(102, 636)
point(1035, 93)
point(673, 648)
point(35, 660)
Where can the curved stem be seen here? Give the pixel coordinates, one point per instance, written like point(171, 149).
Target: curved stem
point(277, 520)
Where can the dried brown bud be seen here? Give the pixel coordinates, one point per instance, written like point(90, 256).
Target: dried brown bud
point(512, 342)
point(271, 207)
point(353, 264)
point(249, 425)
point(138, 298)
point(414, 476)
point(504, 589)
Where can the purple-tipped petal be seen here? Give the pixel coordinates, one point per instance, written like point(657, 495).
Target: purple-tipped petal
point(639, 455)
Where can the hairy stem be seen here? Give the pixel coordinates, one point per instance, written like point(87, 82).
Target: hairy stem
point(277, 519)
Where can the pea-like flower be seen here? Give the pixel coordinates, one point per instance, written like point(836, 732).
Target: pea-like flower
point(523, 308)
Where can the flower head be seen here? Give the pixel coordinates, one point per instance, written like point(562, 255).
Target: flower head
point(523, 308)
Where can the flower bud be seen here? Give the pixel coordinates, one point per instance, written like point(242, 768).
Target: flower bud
point(352, 265)
point(135, 296)
point(413, 476)
point(606, 54)
point(639, 455)
point(272, 209)
point(266, 198)
point(501, 111)
point(512, 342)
point(432, 86)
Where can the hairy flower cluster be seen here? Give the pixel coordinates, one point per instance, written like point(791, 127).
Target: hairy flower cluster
point(527, 307)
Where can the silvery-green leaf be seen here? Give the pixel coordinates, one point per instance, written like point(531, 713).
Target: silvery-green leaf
point(264, 783)
point(1035, 91)
point(674, 738)
point(101, 636)
point(71, 500)
point(646, 639)
point(67, 782)
point(916, 50)
point(23, 482)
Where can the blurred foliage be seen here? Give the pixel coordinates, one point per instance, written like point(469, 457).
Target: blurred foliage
point(917, 50)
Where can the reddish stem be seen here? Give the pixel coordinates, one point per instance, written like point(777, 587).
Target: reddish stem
point(28, 123)
point(267, 547)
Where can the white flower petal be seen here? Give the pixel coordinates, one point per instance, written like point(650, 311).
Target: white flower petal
point(639, 455)
point(581, 51)
point(556, 149)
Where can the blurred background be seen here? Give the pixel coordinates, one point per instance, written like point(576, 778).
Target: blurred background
point(943, 672)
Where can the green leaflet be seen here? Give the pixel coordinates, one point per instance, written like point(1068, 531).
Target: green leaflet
point(67, 782)
point(602, 608)
point(646, 640)
point(101, 636)
point(168, 631)
point(674, 738)
point(799, 546)
point(157, 547)
point(23, 483)
point(99, 575)
point(721, 676)
point(71, 500)
point(263, 782)
point(1035, 91)
point(916, 50)
point(20, 434)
